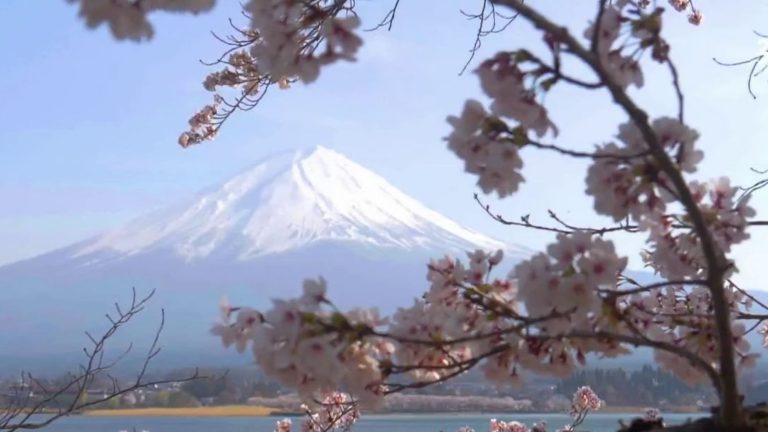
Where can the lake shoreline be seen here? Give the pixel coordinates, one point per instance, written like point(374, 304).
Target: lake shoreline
point(261, 411)
point(205, 411)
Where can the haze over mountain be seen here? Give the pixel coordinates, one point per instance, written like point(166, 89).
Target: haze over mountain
point(257, 236)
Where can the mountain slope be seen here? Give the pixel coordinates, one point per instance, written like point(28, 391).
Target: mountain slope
point(288, 202)
point(252, 238)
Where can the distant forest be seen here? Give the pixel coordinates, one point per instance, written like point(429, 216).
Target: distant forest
point(648, 386)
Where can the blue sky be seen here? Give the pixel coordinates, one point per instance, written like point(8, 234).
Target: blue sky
point(89, 125)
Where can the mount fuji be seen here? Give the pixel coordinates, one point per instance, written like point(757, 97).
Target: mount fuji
point(255, 237)
point(287, 202)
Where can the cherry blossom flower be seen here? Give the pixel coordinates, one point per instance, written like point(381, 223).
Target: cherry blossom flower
point(503, 81)
point(680, 5)
point(127, 19)
point(282, 26)
point(337, 411)
point(677, 254)
point(585, 399)
point(651, 414)
point(201, 125)
point(477, 142)
point(696, 18)
point(567, 278)
point(631, 184)
point(625, 70)
point(512, 426)
point(283, 425)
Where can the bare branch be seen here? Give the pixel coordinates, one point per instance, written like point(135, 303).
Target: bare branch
point(22, 413)
point(388, 20)
point(488, 14)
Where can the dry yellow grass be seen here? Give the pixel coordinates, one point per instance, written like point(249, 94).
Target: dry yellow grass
point(686, 409)
point(213, 411)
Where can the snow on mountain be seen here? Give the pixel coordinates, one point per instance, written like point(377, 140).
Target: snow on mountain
point(287, 202)
point(253, 238)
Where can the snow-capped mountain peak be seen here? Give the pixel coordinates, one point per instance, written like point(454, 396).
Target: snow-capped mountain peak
point(288, 201)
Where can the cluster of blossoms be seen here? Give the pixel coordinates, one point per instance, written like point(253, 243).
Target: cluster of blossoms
point(290, 31)
point(624, 69)
point(682, 317)
point(485, 151)
point(694, 17)
point(651, 414)
point(202, 125)
point(621, 60)
point(490, 148)
point(515, 426)
point(453, 315)
point(568, 277)
point(625, 179)
point(338, 412)
point(242, 70)
point(284, 425)
point(584, 400)
point(764, 332)
point(127, 19)
point(676, 253)
point(482, 139)
point(284, 42)
point(309, 348)
point(463, 317)
point(513, 97)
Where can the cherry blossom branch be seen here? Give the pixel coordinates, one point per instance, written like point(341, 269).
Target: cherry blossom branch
point(245, 70)
point(751, 316)
point(747, 294)
point(638, 340)
point(580, 154)
point(647, 342)
point(524, 220)
point(558, 74)
point(715, 260)
point(678, 90)
point(461, 367)
point(338, 413)
point(651, 287)
point(594, 43)
point(516, 329)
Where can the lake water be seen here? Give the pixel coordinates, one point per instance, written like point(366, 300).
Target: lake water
point(382, 423)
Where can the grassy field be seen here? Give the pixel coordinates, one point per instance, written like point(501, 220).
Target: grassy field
point(213, 411)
